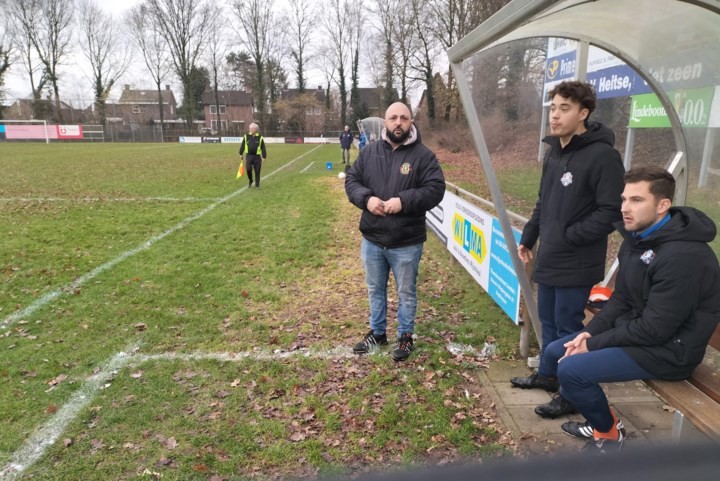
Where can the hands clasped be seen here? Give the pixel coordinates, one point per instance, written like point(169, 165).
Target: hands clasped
point(577, 345)
point(382, 208)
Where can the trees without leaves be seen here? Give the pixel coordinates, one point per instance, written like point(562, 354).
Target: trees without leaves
point(184, 25)
point(108, 56)
point(255, 30)
point(152, 45)
point(337, 24)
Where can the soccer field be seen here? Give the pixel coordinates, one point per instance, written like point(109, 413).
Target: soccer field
point(159, 318)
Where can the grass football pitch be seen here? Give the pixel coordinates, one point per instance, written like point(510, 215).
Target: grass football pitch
point(160, 319)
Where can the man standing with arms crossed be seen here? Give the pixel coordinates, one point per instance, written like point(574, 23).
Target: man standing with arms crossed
point(578, 201)
point(395, 181)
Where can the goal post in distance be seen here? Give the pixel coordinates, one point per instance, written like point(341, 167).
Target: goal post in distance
point(24, 130)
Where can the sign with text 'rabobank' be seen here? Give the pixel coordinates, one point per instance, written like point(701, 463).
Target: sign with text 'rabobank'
point(693, 107)
point(475, 239)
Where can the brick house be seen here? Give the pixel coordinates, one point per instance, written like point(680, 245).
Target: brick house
point(141, 106)
point(234, 113)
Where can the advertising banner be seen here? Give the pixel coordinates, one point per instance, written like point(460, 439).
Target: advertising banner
point(475, 239)
point(693, 107)
point(30, 132)
point(69, 132)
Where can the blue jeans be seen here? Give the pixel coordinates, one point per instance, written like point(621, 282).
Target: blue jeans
point(404, 262)
point(561, 311)
point(580, 376)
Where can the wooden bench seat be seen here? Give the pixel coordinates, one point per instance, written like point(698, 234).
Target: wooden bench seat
point(697, 398)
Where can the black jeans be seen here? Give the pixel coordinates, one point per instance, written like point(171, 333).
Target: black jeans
point(253, 163)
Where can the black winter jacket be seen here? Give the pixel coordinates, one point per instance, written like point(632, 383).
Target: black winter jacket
point(666, 303)
point(578, 201)
point(346, 139)
point(410, 172)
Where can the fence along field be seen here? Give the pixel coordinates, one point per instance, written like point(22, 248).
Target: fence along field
point(188, 327)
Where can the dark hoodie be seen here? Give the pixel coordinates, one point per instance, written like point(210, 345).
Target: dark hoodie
point(666, 303)
point(578, 201)
point(410, 172)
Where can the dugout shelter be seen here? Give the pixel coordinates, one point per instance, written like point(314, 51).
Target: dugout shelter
point(661, 52)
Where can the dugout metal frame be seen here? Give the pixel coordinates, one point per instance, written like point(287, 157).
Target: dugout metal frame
point(642, 33)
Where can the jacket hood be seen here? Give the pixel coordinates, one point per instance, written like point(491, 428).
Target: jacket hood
point(412, 138)
point(596, 132)
point(685, 224)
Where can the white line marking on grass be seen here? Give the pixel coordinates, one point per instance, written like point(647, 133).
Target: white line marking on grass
point(306, 168)
point(45, 436)
point(337, 353)
point(102, 199)
point(51, 296)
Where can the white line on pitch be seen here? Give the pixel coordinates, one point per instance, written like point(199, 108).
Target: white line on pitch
point(47, 435)
point(306, 168)
point(44, 437)
point(51, 296)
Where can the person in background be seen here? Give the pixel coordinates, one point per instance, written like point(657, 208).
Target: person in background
point(578, 201)
point(362, 141)
point(346, 141)
point(658, 321)
point(394, 181)
point(252, 147)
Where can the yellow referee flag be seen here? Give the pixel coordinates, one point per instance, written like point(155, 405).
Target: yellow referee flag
point(241, 170)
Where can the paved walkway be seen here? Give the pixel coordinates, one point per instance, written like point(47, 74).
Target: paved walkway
point(646, 417)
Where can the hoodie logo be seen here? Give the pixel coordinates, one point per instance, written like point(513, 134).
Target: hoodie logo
point(566, 179)
point(405, 169)
point(647, 256)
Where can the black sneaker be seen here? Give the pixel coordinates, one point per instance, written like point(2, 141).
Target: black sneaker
point(403, 348)
point(536, 381)
point(558, 406)
point(585, 430)
point(605, 446)
point(250, 185)
point(370, 342)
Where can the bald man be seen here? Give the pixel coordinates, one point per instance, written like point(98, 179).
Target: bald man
point(395, 182)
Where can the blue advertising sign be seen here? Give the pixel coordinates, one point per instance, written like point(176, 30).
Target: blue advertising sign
point(503, 285)
point(560, 67)
point(617, 81)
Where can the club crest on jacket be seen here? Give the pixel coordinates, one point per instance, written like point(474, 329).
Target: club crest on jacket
point(406, 168)
point(566, 179)
point(647, 256)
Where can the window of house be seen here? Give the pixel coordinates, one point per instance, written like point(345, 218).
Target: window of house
point(213, 109)
point(136, 109)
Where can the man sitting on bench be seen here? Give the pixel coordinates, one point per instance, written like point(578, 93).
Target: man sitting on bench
point(658, 321)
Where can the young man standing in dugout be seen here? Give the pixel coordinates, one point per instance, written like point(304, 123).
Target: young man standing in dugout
point(578, 201)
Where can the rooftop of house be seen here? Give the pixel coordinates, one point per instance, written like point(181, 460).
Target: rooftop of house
point(136, 96)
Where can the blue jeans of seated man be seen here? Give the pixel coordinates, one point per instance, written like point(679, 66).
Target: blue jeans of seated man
point(404, 263)
point(580, 375)
point(561, 311)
